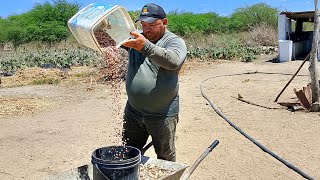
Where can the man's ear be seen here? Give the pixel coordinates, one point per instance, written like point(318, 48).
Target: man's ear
point(165, 21)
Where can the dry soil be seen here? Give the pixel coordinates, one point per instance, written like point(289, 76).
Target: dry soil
point(48, 129)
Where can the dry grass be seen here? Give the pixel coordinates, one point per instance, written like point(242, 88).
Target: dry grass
point(262, 35)
point(29, 76)
point(22, 106)
point(10, 106)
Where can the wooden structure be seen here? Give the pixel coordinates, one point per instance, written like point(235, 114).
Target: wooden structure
point(305, 97)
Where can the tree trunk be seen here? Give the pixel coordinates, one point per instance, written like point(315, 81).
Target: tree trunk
point(315, 107)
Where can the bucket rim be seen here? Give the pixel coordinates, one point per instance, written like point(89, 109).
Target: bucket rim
point(117, 166)
point(117, 162)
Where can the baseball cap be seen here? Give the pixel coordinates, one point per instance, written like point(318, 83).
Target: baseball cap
point(151, 12)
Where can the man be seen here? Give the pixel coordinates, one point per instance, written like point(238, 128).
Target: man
point(155, 58)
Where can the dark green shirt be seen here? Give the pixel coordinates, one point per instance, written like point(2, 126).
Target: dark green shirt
point(152, 78)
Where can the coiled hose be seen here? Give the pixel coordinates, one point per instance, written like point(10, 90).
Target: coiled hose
point(289, 165)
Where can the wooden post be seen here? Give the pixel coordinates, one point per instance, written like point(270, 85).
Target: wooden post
point(315, 106)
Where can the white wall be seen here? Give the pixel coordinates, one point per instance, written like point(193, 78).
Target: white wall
point(284, 27)
point(284, 44)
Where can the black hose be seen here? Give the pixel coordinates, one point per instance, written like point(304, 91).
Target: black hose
point(245, 134)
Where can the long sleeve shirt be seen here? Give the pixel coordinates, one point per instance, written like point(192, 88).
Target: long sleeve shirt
point(152, 78)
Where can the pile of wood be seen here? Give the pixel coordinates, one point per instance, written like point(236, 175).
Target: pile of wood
point(305, 96)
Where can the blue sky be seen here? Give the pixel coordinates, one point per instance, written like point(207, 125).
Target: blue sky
point(222, 7)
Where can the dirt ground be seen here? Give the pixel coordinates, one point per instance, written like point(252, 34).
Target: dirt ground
point(47, 129)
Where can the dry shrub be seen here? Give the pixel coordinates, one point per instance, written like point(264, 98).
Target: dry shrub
point(262, 35)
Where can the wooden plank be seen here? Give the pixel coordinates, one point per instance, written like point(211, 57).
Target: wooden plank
point(303, 99)
point(307, 92)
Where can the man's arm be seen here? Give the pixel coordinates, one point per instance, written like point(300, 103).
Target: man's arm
point(171, 57)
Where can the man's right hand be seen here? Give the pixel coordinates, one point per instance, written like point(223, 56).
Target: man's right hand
point(137, 43)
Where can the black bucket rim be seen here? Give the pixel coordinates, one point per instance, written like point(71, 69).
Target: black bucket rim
point(116, 166)
point(95, 159)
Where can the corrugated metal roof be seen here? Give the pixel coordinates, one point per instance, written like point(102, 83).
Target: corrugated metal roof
point(297, 12)
point(306, 16)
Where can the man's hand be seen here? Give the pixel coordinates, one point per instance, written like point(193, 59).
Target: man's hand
point(137, 43)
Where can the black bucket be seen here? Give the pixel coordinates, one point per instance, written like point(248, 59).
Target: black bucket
point(116, 163)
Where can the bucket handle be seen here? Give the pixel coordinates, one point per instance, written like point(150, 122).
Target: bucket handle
point(101, 172)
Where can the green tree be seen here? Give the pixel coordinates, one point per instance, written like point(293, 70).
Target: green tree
point(244, 18)
point(59, 10)
point(2, 30)
point(52, 20)
point(134, 14)
point(185, 23)
point(45, 22)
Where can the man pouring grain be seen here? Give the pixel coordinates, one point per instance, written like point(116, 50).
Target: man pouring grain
point(155, 58)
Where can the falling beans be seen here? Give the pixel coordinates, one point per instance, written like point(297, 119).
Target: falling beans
point(113, 71)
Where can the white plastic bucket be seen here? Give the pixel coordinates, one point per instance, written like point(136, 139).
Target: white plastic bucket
point(112, 19)
point(285, 50)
